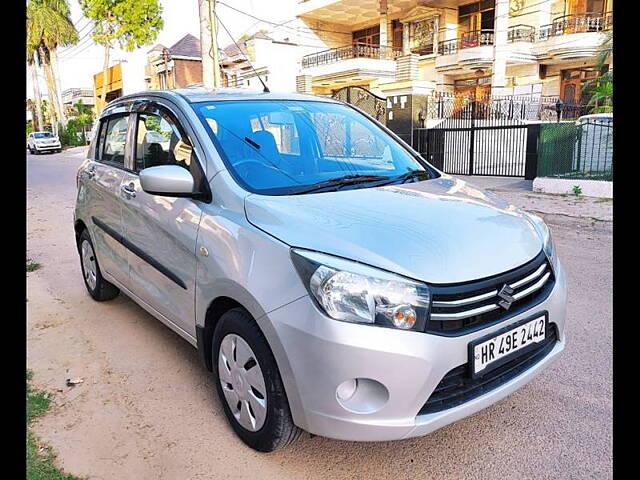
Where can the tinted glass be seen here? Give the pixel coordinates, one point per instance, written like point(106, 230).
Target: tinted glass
point(278, 147)
point(42, 135)
point(159, 142)
point(115, 136)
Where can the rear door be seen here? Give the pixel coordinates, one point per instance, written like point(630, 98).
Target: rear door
point(161, 231)
point(103, 178)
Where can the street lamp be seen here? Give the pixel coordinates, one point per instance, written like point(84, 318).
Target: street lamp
point(559, 105)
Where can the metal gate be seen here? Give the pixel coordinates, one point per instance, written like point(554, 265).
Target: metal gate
point(364, 100)
point(476, 142)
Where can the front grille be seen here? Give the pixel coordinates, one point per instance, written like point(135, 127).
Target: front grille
point(459, 309)
point(457, 386)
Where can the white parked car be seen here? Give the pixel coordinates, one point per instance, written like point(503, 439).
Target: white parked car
point(39, 142)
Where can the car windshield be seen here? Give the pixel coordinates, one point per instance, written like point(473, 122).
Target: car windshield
point(42, 135)
point(286, 147)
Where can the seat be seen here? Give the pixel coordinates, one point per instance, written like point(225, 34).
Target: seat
point(155, 155)
point(268, 146)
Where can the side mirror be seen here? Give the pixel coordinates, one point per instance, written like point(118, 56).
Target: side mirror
point(167, 180)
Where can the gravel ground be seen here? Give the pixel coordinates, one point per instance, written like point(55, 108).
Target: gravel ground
point(147, 409)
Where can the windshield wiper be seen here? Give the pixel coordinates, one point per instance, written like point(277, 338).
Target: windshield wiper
point(410, 175)
point(337, 183)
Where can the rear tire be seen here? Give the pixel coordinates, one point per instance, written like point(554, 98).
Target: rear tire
point(99, 289)
point(275, 427)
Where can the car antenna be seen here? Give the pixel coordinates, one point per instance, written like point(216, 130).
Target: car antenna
point(266, 89)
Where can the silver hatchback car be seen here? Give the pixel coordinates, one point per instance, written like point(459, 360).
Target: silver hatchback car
point(331, 279)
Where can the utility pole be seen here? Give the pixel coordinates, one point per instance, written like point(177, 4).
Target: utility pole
point(165, 56)
point(208, 44)
point(214, 41)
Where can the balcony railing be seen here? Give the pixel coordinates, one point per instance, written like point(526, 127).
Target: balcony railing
point(521, 33)
point(586, 22)
point(426, 49)
point(356, 50)
point(468, 40)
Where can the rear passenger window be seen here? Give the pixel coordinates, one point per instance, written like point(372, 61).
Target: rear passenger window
point(160, 142)
point(113, 137)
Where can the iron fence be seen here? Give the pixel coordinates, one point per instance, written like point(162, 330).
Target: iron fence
point(500, 109)
point(576, 150)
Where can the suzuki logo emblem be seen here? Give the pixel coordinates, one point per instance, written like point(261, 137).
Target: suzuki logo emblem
point(505, 294)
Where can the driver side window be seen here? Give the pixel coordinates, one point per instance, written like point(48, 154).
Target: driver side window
point(159, 141)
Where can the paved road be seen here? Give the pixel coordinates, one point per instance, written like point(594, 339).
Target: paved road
point(148, 410)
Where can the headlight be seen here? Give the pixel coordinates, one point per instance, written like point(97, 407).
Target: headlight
point(545, 235)
point(353, 292)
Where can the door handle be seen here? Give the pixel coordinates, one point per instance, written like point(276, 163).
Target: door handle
point(129, 190)
point(90, 173)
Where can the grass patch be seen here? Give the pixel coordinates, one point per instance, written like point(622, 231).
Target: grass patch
point(33, 266)
point(40, 459)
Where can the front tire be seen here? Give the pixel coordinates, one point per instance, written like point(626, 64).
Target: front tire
point(249, 384)
point(99, 289)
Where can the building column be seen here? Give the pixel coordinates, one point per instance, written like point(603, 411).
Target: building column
point(544, 13)
point(383, 30)
point(304, 84)
point(436, 33)
point(406, 49)
point(500, 48)
point(407, 67)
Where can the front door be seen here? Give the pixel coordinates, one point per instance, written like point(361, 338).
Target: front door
point(161, 230)
point(572, 90)
point(102, 179)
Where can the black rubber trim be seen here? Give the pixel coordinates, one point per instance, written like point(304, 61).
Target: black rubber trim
point(458, 387)
point(144, 256)
point(203, 339)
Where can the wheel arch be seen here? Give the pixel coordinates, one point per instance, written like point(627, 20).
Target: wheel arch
point(204, 333)
point(228, 300)
point(78, 227)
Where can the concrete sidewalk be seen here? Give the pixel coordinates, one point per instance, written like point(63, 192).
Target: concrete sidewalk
point(520, 192)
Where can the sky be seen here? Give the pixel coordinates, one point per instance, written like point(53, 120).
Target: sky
point(79, 63)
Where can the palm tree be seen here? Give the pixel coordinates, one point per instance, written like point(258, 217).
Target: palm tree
point(49, 26)
point(38, 122)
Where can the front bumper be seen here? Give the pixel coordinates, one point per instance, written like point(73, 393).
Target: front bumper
point(316, 354)
point(45, 148)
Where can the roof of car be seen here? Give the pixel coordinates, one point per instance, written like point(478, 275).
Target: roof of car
point(198, 94)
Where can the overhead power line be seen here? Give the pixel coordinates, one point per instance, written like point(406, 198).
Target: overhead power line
point(266, 89)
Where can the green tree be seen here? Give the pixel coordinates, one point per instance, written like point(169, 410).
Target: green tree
point(129, 23)
point(34, 123)
point(82, 117)
point(49, 26)
point(601, 88)
point(46, 114)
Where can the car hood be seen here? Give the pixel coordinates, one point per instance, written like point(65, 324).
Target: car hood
point(437, 231)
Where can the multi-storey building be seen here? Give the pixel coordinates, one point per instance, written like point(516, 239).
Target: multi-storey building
point(274, 59)
point(540, 47)
point(71, 96)
point(178, 66)
point(273, 56)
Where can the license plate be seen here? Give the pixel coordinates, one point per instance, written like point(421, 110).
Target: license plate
point(487, 354)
